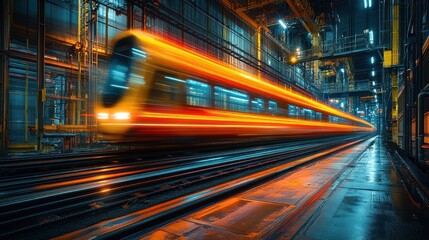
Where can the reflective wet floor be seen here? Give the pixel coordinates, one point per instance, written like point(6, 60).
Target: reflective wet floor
point(352, 194)
point(370, 203)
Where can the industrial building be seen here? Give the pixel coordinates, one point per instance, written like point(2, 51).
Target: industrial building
point(245, 72)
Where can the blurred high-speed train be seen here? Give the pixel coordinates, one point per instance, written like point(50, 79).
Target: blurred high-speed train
point(157, 88)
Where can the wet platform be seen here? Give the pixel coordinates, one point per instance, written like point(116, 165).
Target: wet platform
point(353, 194)
point(370, 203)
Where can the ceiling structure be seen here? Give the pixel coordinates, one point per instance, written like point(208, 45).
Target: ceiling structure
point(335, 21)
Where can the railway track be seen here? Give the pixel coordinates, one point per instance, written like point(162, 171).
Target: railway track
point(44, 201)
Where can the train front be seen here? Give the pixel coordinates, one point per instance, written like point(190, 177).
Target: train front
point(125, 89)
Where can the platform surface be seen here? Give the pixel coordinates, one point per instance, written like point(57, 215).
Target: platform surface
point(370, 203)
point(352, 194)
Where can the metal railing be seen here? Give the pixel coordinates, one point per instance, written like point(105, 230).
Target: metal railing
point(342, 46)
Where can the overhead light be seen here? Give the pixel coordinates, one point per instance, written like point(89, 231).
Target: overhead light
point(342, 70)
point(373, 83)
point(298, 49)
point(365, 3)
point(375, 90)
point(369, 3)
point(283, 24)
point(373, 73)
point(375, 96)
point(372, 60)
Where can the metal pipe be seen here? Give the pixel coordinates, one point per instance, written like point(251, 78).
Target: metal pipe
point(26, 97)
point(75, 107)
point(106, 40)
point(40, 69)
point(420, 125)
point(418, 73)
point(4, 74)
point(130, 15)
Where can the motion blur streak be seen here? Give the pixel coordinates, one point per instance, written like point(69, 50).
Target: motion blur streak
point(184, 93)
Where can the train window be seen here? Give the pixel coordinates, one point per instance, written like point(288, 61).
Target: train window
point(272, 107)
point(293, 111)
point(307, 113)
point(221, 97)
point(334, 119)
point(166, 90)
point(121, 62)
point(318, 116)
point(238, 101)
point(258, 105)
point(231, 99)
point(197, 93)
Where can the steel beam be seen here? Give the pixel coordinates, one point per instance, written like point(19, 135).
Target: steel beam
point(242, 15)
point(302, 9)
point(4, 74)
point(40, 70)
point(130, 15)
point(255, 4)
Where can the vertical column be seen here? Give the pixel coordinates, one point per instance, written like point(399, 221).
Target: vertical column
point(407, 113)
point(259, 49)
point(144, 16)
point(4, 74)
point(40, 69)
point(75, 106)
point(130, 15)
point(394, 118)
point(316, 51)
point(419, 81)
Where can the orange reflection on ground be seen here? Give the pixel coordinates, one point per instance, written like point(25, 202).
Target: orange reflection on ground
point(100, 178)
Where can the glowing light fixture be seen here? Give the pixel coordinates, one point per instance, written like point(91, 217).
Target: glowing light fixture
point(369, 3)
point(121, 115)
point(365, 3)
point(372, 60)
point(102, 115)
point(373, 73)
point(373, 83)
point(342, 70)
point(293, 60)
point(282, 24)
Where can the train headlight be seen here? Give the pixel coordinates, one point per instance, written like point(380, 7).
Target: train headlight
point(121, 115)
point(103, 116)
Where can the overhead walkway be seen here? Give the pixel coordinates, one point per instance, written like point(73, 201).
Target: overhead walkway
point(341, 47)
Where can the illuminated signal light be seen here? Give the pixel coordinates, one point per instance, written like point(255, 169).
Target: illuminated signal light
point(103, 116)
point(293, 59)
point(122, 115)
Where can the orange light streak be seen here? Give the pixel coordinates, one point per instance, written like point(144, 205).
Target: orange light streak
point(177, 57)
